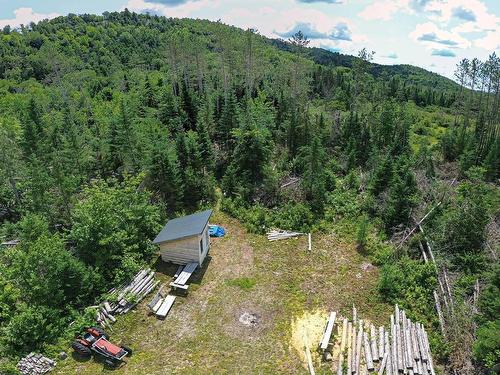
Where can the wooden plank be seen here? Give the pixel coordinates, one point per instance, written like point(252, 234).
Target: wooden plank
point(157, 305)
point(309, 246)
point(186, 273)
point(165, 306)
point(154, 301)
point(328, 331)
point(309, 360)
point(178, 272)
point(179, 286)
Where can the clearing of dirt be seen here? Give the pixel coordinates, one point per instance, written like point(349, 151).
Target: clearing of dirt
point(249, 310)
point(307, 331)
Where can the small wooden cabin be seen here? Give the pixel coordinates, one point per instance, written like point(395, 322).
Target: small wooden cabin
point(185, 239)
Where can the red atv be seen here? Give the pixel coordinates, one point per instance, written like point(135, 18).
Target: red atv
point(96, 340)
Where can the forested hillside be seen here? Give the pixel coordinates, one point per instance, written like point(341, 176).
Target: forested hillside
point(111, 124)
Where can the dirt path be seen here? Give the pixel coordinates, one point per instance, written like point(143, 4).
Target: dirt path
point(238, 315)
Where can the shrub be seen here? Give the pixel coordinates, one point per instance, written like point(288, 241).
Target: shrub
point(487, 345)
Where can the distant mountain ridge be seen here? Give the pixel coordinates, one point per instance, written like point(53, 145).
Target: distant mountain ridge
point(410, 73)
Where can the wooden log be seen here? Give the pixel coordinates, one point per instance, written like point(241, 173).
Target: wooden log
point(354, 342)
point(368, 353)
point(422, 251)
point(136, 279)
point(349, 348)
point(417, 226)
point(390, 370)
point(359, 339)
point(383, 364)
point(416, 353)
point(137, 288)
point(108, 315)
point(107, 307)
point(399, 346)
point(381, 343)
point(404, 340)
point(343, 344)
point(394, 351)
point(447, 284)
point(373, 343)
point(440, 314)
point(430, 364)
point(408, 348)
point(421, 347)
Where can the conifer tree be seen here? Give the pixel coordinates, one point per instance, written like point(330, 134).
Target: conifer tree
point(402, 197)
point(204, 125)
point(314, 175)
point(170, 113)
point(228, 121)
point(165, 174)
point(33, 132)
point(189, 106)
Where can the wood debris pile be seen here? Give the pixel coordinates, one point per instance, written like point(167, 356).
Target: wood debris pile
point(35, 364)
point(276, 235)
point(124, 298)
point(404, 348)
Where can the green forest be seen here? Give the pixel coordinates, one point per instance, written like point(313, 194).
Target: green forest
point(111, 124)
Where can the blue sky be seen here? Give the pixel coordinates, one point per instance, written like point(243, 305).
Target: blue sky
point(433, 34)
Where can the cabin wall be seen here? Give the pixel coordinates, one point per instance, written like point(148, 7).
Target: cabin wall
point(186, 250)
point(206, 244)
point(182, 251)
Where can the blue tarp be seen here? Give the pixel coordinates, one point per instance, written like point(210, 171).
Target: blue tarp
point(216, 231)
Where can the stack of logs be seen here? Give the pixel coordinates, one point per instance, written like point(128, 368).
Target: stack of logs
point(35, 364)
point(124, 298)
point(276, 235)
point(404, 348)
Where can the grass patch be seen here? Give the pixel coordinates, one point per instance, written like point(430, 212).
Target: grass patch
point(244, 283)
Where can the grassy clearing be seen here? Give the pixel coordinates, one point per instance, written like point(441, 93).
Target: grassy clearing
point(278, 282)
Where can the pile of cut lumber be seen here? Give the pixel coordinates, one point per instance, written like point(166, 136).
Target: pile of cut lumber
point(124, 298)
point(35, 364)
point(160, 305)
point(403, 348)
point(276, 235)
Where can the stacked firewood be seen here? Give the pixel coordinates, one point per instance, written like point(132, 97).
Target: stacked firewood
point(124, 298)
point(404, 348)
point(35, 364)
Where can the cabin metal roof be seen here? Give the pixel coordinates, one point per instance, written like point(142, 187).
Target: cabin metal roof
point(182, 227)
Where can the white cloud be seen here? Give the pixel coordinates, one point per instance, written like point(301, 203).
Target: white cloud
point(431, 35)
point(24, 16)
point(489, 42)
point(444, 11)
point(323, 29)
point(173, 9)
point(384, 9)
